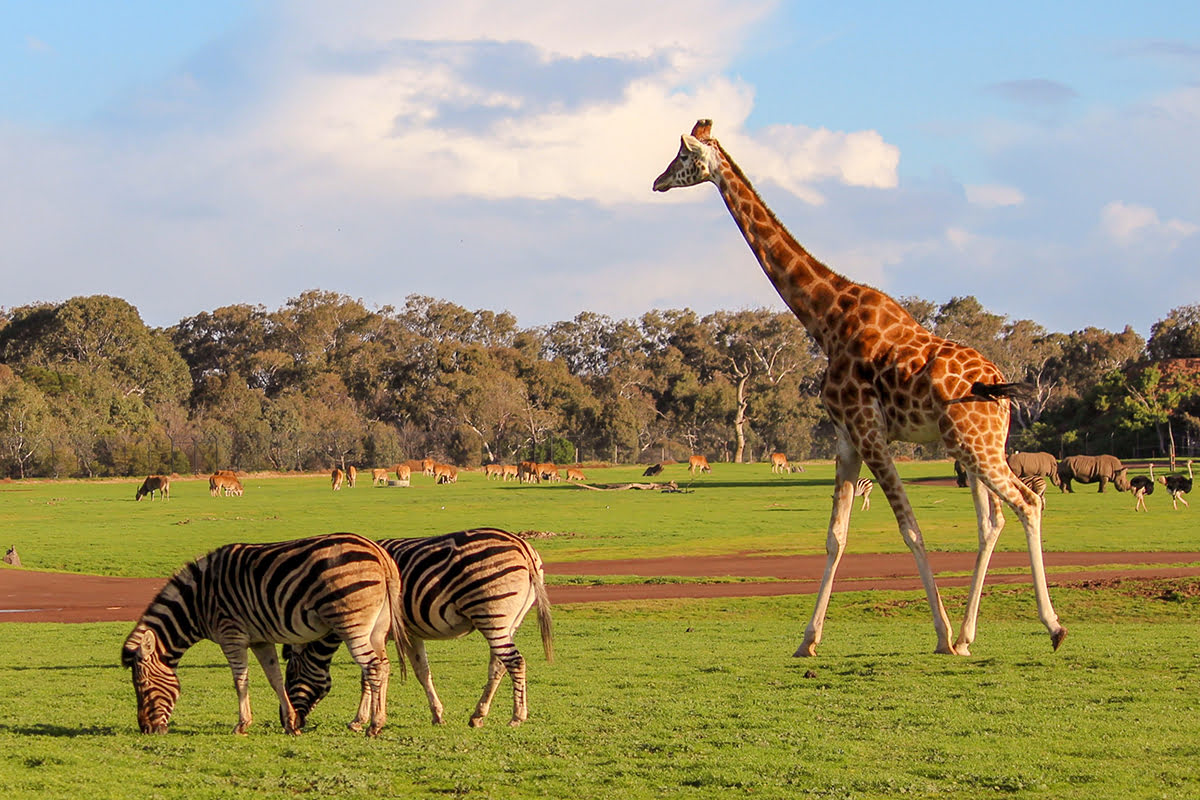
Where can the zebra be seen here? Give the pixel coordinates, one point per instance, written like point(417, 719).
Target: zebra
point(863, 489)
point(1037, 483)
point(482, 579)
point(254, 595)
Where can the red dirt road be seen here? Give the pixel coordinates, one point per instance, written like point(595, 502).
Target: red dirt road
point(29, 596)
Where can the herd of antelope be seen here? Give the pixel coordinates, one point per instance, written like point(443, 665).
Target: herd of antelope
point(225, 483)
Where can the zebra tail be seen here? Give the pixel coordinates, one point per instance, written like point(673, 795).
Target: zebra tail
point(545, 623)
point(399, 631)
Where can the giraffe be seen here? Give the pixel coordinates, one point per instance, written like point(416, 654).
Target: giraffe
point(887, 379)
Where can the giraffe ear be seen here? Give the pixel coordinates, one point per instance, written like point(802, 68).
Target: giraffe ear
point(702, 129)
point(691, 143)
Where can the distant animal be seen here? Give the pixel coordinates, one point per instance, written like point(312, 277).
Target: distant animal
point(509, 471)
point(254, 595)
point(403, 472)
point(1093, 469)
point(863, 489)
point(427, 466)
point(575, 474)
point(351, 476)
point(1141, 486)
point(549, 472)
point(445, 473)
point(379, 477)
point(652, 470)
point(224, 482)
point(11, 558)
point(960, 474)
point(336, 477)
point(698, 464)
point(491, 471)
point(1044, 464)
point(1178, 486)
point(779, 463)
point(152, 484)
point(527, 472)
point(483, 579)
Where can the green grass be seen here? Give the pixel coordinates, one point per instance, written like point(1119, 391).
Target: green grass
point(96, 527)
point(681, 699)
point(686, 698)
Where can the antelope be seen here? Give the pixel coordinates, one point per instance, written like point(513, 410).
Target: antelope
point(575, 474)
point(509, 471)
point(779, 463)
point(351, 476)
point(152, 484)
point(491, 471)
point(336, 478)
point(403, 472)
point(698, 464)
point(445, 473)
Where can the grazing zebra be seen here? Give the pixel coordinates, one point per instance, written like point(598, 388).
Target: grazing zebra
point(1038, 484)
point(483, 579)
point(863, 489)
point(254, 595)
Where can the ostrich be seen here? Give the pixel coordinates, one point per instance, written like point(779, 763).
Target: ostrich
point(1141, 486)
point(1178, 486)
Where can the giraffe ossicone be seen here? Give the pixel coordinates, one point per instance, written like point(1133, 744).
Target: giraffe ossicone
point(888, 379)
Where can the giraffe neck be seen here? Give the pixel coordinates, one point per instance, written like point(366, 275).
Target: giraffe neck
point(807, 286)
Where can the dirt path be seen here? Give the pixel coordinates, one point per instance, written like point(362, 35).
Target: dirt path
point(28, 596)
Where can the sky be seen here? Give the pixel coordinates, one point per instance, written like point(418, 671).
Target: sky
point(186, 156)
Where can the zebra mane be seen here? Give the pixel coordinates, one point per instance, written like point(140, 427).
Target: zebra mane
point(174, 614)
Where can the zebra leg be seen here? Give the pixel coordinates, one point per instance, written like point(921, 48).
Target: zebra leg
point(269, 659)
point(235, 654)
point(420, 662)
point(496, 671)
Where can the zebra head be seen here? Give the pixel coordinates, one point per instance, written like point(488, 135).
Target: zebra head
point(308, 676)
point(154, 680)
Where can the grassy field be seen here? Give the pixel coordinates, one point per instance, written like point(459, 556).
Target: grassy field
point(682, 699)
point(686, 698)
point(96, 527)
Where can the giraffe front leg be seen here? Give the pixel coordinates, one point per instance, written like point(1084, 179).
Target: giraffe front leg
point(875, 453)
point(990, 521)
point(849, 463)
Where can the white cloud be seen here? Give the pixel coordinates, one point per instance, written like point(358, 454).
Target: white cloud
point(994, 195)
point(1128, 224)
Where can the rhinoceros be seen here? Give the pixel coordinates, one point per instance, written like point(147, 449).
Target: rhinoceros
point(1092, 469)
point(1026, 465)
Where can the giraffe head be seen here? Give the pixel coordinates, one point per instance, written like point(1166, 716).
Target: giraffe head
point(696, 162)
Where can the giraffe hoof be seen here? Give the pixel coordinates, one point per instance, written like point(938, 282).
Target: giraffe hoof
point(475, 722)
point(806, 650)
point(1057, 637)
point(355, 726)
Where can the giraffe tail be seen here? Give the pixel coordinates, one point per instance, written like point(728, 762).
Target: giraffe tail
point(995, 391)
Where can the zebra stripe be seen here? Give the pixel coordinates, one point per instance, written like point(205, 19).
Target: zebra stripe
point(1038, 484)
point(250, 596)
point(863, 489)
point(483, 579)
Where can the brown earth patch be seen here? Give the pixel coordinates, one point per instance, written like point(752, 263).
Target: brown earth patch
point(31, 596)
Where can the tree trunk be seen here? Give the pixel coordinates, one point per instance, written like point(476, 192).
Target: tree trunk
point(739, 419)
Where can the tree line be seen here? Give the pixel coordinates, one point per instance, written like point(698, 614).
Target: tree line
point(88, 389)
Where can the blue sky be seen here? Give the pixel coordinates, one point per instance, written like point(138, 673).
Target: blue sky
point(1041, 157)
